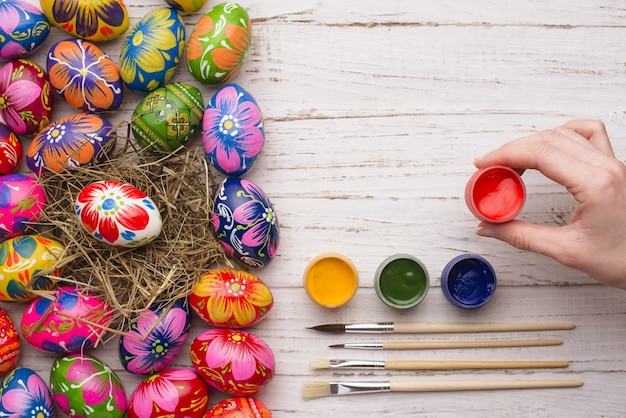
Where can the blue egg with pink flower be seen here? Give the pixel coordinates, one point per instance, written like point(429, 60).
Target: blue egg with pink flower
point(23, 28)
point(232, 131)
point(23, 393)
point(245, 222)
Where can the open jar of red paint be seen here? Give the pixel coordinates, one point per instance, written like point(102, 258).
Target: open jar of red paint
point(495, 194)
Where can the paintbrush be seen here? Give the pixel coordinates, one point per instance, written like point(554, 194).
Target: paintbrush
point(430, 345)
point(440, 327)
point(314, 390)
point(318, 364)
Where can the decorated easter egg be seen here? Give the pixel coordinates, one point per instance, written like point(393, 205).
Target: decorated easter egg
point(23, 393)
point(231, 298)
point(218, 43)
point(84, 76)
point(100, 20)
point(245, 222)
point(28, 258)
point(152, 50)
point(84, 386)
point(156, 337)
point(11, 151)
point(23, 29)
point(118, 214)
point(186, 6)
point(73, 321)
point(73, 141)
point(232, 131)
point(9, 343)
point(168, 118)
point(22, 200)
point(233, 361)
point(239, 407)
point(172, 393)
point(26, 99)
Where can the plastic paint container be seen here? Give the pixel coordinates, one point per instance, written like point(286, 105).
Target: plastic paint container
point(330, 280)
point(468, 281)
point(495, 194)
point(401, 281)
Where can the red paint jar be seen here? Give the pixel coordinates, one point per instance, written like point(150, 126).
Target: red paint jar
point(495, 194)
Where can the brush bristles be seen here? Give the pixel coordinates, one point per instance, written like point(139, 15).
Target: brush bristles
point(320, 364)
point(313, 390)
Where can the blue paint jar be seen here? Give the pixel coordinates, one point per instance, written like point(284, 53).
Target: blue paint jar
point(468, 281)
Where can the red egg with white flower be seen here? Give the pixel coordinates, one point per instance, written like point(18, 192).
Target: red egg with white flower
point(233, 361)
point(172, 393)
point(118, 214)
point(231, 298)
point(9, 343)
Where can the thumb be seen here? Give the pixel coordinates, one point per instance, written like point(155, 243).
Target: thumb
point(546, 240)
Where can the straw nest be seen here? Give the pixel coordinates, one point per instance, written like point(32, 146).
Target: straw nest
point(132, 279)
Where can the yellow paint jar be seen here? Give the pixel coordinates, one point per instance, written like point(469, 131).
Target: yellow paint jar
point(330, 280)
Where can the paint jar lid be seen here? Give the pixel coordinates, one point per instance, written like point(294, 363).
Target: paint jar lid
point(401, 281)
point(331, 280)
point(495, 194)
point(468, 281)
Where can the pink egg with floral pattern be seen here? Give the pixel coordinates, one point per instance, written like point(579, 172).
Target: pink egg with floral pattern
point(172, 393)
point(11, 151)
point(26, 98)
point(231, 298)
point(233, 361)
point(22, 200)
point(118, 214)
point(73, 321)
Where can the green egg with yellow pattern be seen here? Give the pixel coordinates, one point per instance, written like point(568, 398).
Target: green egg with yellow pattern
point(219, 43)
point(168, 118)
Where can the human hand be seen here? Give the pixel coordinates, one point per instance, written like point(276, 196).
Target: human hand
point(579, 156)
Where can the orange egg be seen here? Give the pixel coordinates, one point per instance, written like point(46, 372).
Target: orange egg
point(9, 343)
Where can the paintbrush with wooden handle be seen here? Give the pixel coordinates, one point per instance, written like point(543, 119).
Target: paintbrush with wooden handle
point(441, 327)
point(318, 364)
point(432, 345)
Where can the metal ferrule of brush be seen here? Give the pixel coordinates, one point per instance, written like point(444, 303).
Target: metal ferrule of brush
point(349, 388)
point(356, 364)
point(380, 327)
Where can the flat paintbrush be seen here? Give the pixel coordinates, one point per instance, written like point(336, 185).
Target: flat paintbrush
point(315, 389)
point(430, 345)
point(318, 364)
point(441, 327)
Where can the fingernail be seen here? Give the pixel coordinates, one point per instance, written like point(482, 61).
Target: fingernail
point(485, 231)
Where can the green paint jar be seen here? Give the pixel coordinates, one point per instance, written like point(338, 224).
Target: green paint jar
point(401, 281)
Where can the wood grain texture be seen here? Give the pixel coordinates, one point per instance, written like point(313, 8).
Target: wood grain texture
point(374, 112)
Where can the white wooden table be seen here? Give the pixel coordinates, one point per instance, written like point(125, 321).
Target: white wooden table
point(374, 112)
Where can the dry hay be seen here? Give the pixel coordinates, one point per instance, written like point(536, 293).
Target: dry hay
point(132, 279)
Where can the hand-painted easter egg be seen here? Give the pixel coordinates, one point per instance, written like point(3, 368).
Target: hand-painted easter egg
point(239, 407)
point(245, 222)
point(26, 98)
point(231, 298)
point(84, 76)
point(218, 43)
point(9, 343)
point(11, 151)
point(152, 50)
point(84, 386)
point(168, 118)
point(23, 29)
point(24, 257)
point(100, 20)
point(156, 337)
point(23, 393)
point(22, 200)
point(75, 140)
point(118, 214)
point(74, 321)
point(232, 131)
point(233, 361)
point(172, 393)
point(186, 6)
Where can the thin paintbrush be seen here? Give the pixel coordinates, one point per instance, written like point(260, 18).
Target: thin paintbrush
point(318, 364)
point(430, 345)
point(314, 390)
point(441, 327)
